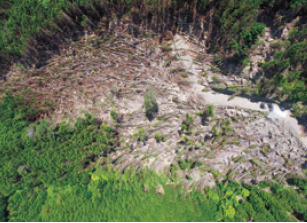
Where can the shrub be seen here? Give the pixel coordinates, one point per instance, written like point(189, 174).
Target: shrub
point(141, 135)
point(166, 47)
point(114, 115)
point(160, 137)
point(189, 120)
point(245, 192)
point(184, 74)
point(184, 139)
point(216, 80)
point(185, 164)
point(227, 122)
point(246, 61)
point(187, 124)
point(214, 69)
point(198, 164)
point(215, 130)
point(150, 104)
point(210, 110)
point(276, 44)
point(264, 184)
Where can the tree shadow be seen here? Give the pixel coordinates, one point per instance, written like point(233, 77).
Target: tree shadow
point(46, 44)
point(299, 216)
point(152, 114)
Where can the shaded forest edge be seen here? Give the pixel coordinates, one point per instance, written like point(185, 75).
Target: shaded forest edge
point(33, 31)
point(61, 173)
point(228, 27)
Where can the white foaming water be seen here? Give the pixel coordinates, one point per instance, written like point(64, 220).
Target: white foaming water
point(276, 112)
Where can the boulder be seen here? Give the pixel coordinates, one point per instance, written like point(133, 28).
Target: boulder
point(168, 35)
point(230, 113)
point(265, 140)
point(244, 82)
point(160, 190)
point(145, 188)
point(285, 33)
point(292, 155)
point(198, 121)
point(22, 170)
point(244, 114)
point(208, 137)
point(31, 132)
point(245, 72)
point(228, 83)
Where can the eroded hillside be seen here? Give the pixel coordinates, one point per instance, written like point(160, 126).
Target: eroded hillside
point(197, 136)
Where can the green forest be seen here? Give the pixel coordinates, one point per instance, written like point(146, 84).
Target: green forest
point(61, 172)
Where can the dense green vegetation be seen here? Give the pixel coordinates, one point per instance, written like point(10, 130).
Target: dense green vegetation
point(235, 21)
point(5, 5)
point(287, 70)
point(288, 67)
point(38, 154)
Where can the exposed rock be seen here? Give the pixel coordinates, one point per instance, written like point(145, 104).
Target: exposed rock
point(245, 72)
point(31, 132)
point(145, 189)
point(175, 98)
point(198, 121)
point(285, 33)
point(151, 142)
point(168, 35)
point(228, 83)
point(292, 155)
point(265, 140)
point(260, 50)
point(244, 114)
point(195, 175)
point(240, 199)
point(244, 82)
point(186, 184)
point(22, 170)
point(208, 137)
point(269, 39)
point(134, 145)
point(260, 178)
point(160, 190)
point(230, 113)
point(198, 138)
